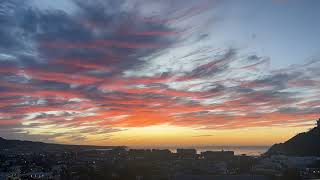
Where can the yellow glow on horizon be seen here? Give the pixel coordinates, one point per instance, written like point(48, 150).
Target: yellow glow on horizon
point(169, 135)
point(166, 135)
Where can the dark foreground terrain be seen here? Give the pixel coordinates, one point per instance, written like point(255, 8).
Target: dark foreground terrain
point(296, 159)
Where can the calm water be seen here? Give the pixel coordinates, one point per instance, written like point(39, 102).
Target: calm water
point(238, 150)
point(248, 150)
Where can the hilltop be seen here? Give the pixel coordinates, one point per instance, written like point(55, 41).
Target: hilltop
point(303, 144)
point(31, 146)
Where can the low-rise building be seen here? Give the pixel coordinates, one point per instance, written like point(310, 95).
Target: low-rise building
point(217, 155)
point(186, 153)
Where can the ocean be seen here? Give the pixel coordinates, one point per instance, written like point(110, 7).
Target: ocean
point(238, 150)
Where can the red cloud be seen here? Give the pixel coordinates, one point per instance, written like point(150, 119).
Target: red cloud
point(65, 77)
point(102, 44)
point(83, 64)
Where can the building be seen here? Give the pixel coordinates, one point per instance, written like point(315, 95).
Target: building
point(219, 177)
point(310, 173)
point(217, 155)
point(186, 153)
point(161, 154)
point(139, 154)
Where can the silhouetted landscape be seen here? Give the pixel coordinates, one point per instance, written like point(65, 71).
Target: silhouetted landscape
point(159, 90)
point(303, 144)
point(38, 147)
point(298, 158)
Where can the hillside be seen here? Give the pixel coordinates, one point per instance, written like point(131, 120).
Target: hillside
point(303, 144)
point(31, 146)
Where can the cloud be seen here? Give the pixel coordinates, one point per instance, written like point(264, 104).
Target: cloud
point(112, 65)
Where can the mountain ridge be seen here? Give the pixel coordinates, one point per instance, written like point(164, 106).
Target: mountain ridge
point(303, 144)
point(36, 146)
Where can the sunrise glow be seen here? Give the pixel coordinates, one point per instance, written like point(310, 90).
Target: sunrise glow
point(157, 73)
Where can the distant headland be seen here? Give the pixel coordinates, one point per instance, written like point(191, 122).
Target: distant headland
point(303, 144)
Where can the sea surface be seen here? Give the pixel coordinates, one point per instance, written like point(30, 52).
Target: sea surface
point(238, 150)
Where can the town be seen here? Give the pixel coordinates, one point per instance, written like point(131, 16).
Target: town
point(159, 90)
point(120, 163)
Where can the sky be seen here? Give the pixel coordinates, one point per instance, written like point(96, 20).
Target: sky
point(159, 73)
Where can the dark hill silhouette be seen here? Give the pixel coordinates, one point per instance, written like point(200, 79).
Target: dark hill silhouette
point(31, 146)
point(303, 144)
